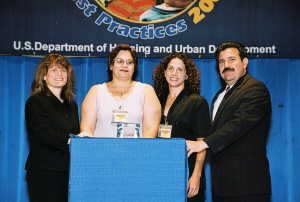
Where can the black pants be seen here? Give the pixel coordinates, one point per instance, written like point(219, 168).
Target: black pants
point(249, 198)
point(198, 198)
point(44, 186)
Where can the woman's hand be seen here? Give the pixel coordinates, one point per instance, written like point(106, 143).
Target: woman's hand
point(193, 186)
point(84, 134)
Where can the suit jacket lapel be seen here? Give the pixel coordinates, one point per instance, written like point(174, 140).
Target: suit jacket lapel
point(177, 104)
point(230, 94)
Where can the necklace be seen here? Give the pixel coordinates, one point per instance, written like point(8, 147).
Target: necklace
point(119, 92)
point(120, 104)
point(169, 102)
point(171, 99)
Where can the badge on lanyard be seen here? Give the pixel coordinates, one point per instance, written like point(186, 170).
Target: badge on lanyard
point(119, 116)
point(165, 131)
point(128, 130)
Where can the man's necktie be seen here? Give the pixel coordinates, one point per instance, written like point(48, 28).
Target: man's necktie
point(227, 89)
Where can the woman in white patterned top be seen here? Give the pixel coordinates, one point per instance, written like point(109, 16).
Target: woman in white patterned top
point(121, 107)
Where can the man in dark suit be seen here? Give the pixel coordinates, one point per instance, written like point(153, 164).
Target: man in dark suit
point(241, 113)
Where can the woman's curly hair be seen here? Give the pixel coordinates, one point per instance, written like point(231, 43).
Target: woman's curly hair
point(192, 83)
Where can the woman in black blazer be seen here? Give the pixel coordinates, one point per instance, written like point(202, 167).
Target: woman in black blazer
point(51, 115)
point(185, 112)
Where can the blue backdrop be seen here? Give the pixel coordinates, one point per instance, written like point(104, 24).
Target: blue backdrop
point(280, 75)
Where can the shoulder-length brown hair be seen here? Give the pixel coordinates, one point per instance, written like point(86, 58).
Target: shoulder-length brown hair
point(39, 85)
point(192, 83)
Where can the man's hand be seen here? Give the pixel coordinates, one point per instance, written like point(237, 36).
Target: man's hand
point(195, 146)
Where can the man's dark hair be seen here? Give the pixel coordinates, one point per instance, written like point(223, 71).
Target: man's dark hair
point(232, 44)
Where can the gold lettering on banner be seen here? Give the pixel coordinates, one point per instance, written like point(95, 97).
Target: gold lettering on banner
point(204, 6)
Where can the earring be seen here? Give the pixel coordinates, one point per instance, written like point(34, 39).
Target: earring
point(186, 77)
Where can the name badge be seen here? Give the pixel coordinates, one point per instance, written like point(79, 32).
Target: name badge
point(128, 130)
point(164, 131)
point(119, 116)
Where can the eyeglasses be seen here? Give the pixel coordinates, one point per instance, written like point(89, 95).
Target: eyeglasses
point(120, 61)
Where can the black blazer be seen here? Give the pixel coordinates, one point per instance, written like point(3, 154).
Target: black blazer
point(49, 123)
point(189, 117)
point(239, 165)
